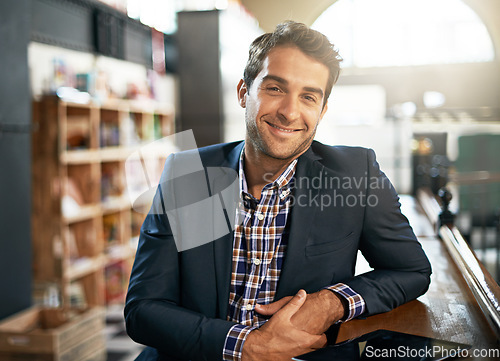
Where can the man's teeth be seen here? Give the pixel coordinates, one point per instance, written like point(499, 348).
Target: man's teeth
point(283, 130)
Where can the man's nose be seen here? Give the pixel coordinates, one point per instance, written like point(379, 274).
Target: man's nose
point(289, 109)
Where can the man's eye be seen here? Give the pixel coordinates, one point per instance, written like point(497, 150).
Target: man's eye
point(273, 88)
point(310, 98)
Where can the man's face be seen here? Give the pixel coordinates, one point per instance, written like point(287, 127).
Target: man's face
point(284, 103)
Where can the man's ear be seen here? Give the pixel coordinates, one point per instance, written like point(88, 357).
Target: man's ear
point(242, 93)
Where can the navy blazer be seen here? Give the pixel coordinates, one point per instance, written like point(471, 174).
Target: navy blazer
point(177, 302)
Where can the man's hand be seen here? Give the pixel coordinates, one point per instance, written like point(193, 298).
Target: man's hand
point(278, 339)
point(320, 310)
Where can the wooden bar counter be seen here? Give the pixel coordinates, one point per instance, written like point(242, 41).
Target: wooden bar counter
point(448, 310)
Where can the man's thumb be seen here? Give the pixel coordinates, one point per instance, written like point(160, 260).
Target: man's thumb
point(295, 303)
point(273, 307)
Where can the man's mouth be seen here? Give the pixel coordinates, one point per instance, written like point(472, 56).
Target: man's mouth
point(283, 129)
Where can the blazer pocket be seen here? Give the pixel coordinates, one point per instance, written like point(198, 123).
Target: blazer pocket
point(330, 246)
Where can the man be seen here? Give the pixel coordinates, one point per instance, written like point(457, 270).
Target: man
point(272, 288)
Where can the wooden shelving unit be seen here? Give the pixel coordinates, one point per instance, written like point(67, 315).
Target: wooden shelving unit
point(84, 226)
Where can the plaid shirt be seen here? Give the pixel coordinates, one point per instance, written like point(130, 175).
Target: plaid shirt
point(259, 246)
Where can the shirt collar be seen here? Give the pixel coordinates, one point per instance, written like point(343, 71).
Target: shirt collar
point(282, 183)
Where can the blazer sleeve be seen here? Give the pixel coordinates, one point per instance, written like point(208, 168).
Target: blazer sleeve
point(401, 270)
point(153, 311)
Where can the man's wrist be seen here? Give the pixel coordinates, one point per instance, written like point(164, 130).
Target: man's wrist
point(247, 350)
point(235, 339)
point(354, 302)
point(338, 305)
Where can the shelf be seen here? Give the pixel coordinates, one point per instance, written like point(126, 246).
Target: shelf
point(83, 213)
point(67, 103)
point(119, 253)
point(80, 157)
point(148, 150)
point(115, 153)
point(83, 219)
point(116, 204)
point(107, 154)
point(84, 266)
point(96, 210)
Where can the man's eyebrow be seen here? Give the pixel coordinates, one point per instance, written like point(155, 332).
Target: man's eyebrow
point(283, 81)
point(275, 78)
point(318, 91)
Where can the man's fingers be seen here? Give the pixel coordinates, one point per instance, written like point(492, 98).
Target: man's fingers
point(293, 306)
point(271, 308)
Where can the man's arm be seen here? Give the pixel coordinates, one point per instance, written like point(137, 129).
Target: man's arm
point(401, 270)
point(154, 314)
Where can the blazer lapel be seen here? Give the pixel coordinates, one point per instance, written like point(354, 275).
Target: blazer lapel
point(223, 247)
point(302, 217)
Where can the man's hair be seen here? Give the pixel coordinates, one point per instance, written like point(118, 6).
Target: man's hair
point(291, 33)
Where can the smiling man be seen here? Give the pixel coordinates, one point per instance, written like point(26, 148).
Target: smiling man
point(273, 287)
point(284, 105)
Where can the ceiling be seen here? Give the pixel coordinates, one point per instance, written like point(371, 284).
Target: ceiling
point(269, 13)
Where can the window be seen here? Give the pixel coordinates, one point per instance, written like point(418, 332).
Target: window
point(374, 33)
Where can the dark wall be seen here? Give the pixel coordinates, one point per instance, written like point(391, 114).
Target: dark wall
point(199, 76)
point(15, 158)
point(68, 24)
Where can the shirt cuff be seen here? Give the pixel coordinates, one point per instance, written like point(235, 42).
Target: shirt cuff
point(235, 339)
point(354, 300)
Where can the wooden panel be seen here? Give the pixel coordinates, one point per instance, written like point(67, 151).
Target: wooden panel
point(482, 285)
point(33, 332)
point(46, 192)
point(448, 310)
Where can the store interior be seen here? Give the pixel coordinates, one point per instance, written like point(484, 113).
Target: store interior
point(96, 94)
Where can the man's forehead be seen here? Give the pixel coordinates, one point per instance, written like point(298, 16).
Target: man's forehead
point(289, 63)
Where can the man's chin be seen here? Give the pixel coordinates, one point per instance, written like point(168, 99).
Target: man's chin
point(282, 151)
point(284, 156)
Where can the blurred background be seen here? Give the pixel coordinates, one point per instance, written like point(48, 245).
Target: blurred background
point(85, 82)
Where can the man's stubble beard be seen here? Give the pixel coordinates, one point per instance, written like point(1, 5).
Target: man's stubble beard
point(258, 143)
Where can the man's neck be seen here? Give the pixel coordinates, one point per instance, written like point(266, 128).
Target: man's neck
point(261, 169)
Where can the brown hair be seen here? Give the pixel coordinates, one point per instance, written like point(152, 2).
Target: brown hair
point(310, 42)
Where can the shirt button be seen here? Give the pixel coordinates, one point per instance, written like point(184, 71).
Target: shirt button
point(260, 216)
point(256, 261)
point(249, 307)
